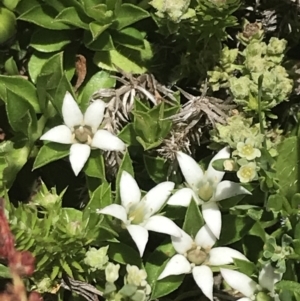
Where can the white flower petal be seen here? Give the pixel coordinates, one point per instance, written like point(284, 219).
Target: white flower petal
point(114, 210)
point(224, 255)
point(246, 299)
point(205, 238)
point(183, 243)
point(140, 236)
point(79, 154)
point(203, 276)
point(107, 141)
point(129, 190)
point(212, 216)
point(60, 134)
point(190, 169)
point(157, 197)
point(211, 173)
point(267, 277)
point(71, 113)
point(227, 189)
point(162, 224)
point(183, 198)
point(93, 116)
point(239, 282)
point(177, 265)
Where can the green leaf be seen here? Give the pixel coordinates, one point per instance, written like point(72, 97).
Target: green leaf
point(50, 152)
point(55, 271)
point(128, 14)
point(128, 134)
point(129, 60)
point(100, 80)
point(193, 221)
point(43, 16)
point(16, 156)
point(154, 266)
point(45, 40)
point(66, 268)
point(236, 228)
point(101, 198)
point(291, 286)
point(103, 42)
point(35, 64)
point(21, 87)
point(287, 167)
point(72, 16)
point(20, 113)
point(130, 37)
point(95, 166)
point(97, 29)
point(4, 271)
point(157, 168)
point(275, 202)
point(11, 67)
point(123, 254)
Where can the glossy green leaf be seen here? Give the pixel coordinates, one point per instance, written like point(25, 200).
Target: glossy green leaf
point(95, 166)
point(72, 16)
point(50, 152)
point(101, 198)
point(45, 40)
point(124, 254)
point(129, 14)
point(193, 220)
point(43, 16)
point(21, 87)
point(100, 80)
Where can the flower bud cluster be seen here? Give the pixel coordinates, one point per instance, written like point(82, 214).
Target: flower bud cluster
point(257, 59)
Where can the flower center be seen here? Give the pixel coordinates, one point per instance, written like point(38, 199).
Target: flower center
point(247, 172)
point(83, 134)
point(247, 150)
point(206, 191)
point(137, 214)
point(196, 255)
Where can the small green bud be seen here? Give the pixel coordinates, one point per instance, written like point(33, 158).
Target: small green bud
point(96, 259)
point(240, 87)
point(112, 272)
point(135, 276)
point(276, 46)
point(256, 48)
point(228, 56)
point(262, 296)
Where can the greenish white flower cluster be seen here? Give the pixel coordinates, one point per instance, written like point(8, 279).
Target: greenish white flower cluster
point(136, 287)
point(245, 139)
point(96, 259)
point(255, 60)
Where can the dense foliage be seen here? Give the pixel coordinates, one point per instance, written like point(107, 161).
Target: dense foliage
point(149, 150)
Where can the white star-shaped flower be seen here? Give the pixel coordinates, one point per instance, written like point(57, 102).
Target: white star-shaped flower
point(81, 131)
point(138, 214)
point(207, 188)
point(196, 256)
point(248, 287)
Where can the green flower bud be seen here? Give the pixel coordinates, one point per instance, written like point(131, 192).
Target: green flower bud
point(256, 48)
point(174, 10)
point(45, 285)
point(7, 24)
point(112, 272)
point(255, 64)
point(96, 259)
point(135, 276)
point(240, 87)
point(228, 56)
point(276, 46)
point(262, 296)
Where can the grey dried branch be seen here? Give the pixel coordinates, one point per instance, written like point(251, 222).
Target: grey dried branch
point(211, 108)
